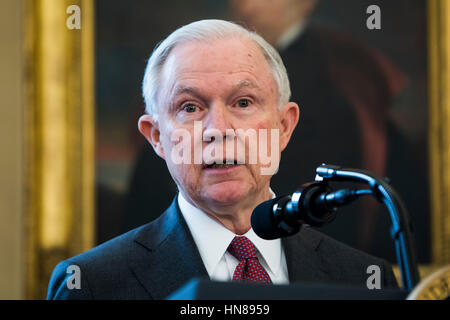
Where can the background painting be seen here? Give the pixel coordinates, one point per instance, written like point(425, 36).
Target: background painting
point(133, 185)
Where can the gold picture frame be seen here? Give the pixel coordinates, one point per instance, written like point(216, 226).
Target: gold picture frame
point(439, 127)
point(59, 138)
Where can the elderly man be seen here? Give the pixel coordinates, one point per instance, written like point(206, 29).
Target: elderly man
point(203, 84)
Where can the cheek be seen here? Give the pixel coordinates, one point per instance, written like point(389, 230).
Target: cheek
point(269, 144)
point(265, 127)
point(185, 175)
point(175, 138)
point(258, 123)
point(178, 144)
point(268, 127)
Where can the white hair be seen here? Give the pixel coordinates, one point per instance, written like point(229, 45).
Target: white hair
point(205, 30)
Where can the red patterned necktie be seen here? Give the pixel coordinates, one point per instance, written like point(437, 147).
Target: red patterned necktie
point(249, 268)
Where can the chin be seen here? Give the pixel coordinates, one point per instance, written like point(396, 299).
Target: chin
point(227, 192)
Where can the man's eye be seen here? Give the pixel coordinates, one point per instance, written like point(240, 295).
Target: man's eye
point(190, 108)
point(243, 103)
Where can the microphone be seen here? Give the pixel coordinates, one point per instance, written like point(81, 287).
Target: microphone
point(313, 204)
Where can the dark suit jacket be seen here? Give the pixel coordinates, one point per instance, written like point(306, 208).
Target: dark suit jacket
point(156, 259)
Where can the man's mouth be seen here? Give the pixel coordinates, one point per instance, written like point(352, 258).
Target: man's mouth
point(224, 165)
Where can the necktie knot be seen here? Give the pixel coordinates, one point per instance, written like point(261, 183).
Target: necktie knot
point(249, 269)
point(242, 248)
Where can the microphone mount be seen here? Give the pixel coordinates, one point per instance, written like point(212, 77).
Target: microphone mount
point(401, 228)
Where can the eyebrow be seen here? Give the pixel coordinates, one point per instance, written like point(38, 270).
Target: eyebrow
point(245, 84)
point(186, 89)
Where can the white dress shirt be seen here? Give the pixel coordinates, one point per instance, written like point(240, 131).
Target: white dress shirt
point(212, 240)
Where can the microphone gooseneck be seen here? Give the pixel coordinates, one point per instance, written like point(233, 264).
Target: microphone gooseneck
point(316, 205)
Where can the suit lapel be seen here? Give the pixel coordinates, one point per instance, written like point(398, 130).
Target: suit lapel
point(166, 256)
point(302, 257)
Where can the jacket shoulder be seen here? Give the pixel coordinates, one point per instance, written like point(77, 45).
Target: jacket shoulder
point(81, 276)
point(346, 263)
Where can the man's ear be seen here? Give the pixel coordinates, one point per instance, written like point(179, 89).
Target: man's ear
point(290, 114)
point(150, 130)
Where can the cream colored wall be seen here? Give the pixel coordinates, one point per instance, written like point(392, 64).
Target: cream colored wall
point(11, 145)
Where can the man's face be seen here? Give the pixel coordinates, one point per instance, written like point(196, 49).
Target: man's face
point(224, 84)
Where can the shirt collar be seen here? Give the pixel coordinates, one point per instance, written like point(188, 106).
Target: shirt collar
point(269, 250)
point(212, 238)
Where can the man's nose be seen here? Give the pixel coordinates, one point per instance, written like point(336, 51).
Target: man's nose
point(217, 121)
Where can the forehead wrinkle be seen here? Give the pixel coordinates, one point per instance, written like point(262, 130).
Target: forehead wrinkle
point(181, 72)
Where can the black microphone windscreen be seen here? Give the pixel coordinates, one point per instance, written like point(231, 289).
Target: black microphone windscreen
point(263, 221)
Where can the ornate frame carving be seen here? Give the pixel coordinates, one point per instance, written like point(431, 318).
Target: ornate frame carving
point(439, 127)
point(59, 138)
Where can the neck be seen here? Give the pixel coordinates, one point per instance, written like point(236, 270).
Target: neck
point(235, 217)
